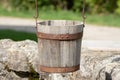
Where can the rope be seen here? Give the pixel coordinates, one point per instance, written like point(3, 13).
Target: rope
point(37, 15)
point(83, 12)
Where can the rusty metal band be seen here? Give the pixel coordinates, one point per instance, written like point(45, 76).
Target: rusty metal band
point(59, 69)
point(60, 36)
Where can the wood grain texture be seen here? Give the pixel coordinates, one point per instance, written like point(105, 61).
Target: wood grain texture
point(55, 53)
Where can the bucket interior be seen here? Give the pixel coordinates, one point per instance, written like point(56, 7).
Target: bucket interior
point(60, 23)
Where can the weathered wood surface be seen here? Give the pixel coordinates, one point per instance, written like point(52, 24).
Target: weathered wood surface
point(55, 53)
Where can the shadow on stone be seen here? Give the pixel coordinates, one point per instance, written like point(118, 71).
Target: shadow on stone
point(108, 76)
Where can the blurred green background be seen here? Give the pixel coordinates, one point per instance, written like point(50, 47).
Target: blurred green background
point(98, 12)
point(101, 12)
point(92, 6)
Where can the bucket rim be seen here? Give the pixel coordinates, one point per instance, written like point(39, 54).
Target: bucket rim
point(48, 22)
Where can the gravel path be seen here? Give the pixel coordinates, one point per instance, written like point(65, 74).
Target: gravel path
point(97, 35)
point(10, 21)
point(93, 32)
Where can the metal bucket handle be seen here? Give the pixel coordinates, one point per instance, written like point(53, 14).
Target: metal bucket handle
point(37, 14)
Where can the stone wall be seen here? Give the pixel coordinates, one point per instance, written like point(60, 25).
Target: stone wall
point(19, 60)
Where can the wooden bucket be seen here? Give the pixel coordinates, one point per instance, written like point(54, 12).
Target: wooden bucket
point(59, 44)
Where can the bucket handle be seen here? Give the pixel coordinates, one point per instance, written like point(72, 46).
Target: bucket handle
point(83, 12)
point(37, 14)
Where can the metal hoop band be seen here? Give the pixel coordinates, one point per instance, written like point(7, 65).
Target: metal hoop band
point(60, 36)
point(59, 69)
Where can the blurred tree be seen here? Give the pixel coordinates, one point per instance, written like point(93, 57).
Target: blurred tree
point(62, 4)
point(5, 4)
point(92, 6)
point(22, 4)
point(70, 4)
point(30, 4)
point(102, 6)
point(77, 5)
point(118, 9)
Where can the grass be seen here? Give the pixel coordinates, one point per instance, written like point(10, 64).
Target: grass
point(48, 14)
point(105, 19)
point(17, 35)
point(25, 14)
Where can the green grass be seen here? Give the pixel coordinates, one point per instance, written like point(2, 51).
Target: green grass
point(17, 35)
point(25, 14)
point(48, 14)
point(105, 19)
point(67, 15)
